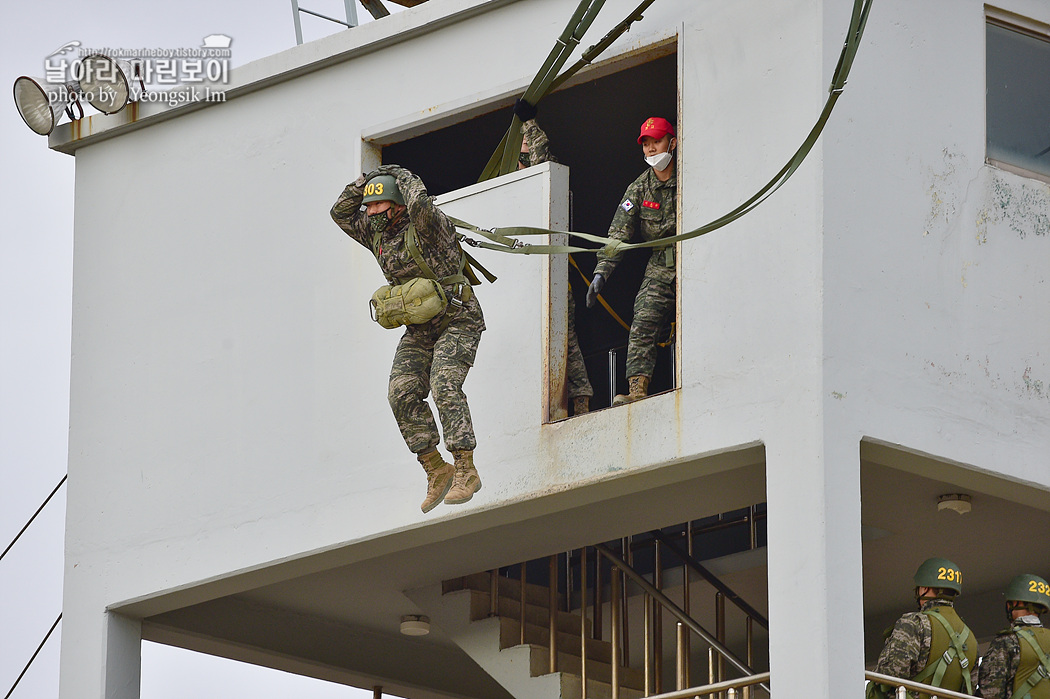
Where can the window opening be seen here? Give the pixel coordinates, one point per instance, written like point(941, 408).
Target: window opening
point(592, 126)
point(1018, 96)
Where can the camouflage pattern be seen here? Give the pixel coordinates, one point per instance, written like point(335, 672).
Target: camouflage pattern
point(575, 370)
point(648, 208)
point(995, 675)
point(433, 356)
point(907, 650)
point(539, 145)
point(653, 309)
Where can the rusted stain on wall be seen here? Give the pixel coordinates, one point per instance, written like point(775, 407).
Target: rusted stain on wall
point(975, 373)
point(944, 192)
point(1020, 204)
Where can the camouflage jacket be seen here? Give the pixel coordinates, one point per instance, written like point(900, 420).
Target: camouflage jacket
point(435, 233)
point(648, 209)
point(908, 646)
point(995, 675)
point(539, 146)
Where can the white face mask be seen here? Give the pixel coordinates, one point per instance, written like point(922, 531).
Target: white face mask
point(660, 161)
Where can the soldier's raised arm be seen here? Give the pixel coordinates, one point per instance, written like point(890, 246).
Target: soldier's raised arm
point(347, 214)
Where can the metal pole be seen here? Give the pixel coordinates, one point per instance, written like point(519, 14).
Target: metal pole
point(522, 604)
point(681, 655)
point(658, 621)
point(552, 609)
point(625, 621)
point(377, 692)
point(647, 633)
point(596, 629)
point(612, 352)
point(687, 574)
point(351, 12)
point(583, 623)
point(614, 620)
point(750, 628)
point(298, 26)
point(720, 630)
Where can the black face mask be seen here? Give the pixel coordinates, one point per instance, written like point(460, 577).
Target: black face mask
point(379, 222)
point(523, 158)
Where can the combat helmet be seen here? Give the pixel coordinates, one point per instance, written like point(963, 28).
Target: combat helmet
point(383, 188)
point(939, 573)
point(1031, 589)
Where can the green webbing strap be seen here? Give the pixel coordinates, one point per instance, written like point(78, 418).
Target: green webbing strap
point(1040, 673)
point(957, 640)
point(858, 20)
point(505, 159)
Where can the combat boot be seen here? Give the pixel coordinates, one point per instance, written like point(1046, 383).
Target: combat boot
point(439, 478)
point(638, 389)
point(466, 481)
point(581, 405)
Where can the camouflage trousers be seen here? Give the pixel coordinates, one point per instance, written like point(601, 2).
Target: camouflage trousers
point(653, 309)
point(430, 359)
point(576, 370)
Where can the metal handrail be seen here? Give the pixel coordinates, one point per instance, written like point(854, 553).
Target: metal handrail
point(902, 684)
point(761, 678)
point(674, 609)
point(711, 579)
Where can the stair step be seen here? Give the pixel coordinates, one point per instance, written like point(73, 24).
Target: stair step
point(535, 615)
point(510, 636)
point(540, 665)
point(508, 588)
point(571, 688)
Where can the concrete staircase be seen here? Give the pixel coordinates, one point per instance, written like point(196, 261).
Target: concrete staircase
point(462, 609)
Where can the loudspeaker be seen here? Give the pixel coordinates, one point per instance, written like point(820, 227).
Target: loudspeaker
point(41, 103)
point(107, 83)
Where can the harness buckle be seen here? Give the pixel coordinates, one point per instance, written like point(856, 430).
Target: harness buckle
point(964, 662)
point(456, 299)
point(471, 242)
point(1043, 671)
point(518, 244)
point(948, 657)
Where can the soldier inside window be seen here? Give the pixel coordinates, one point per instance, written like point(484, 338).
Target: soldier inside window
point(1017, 663)
point(648, 209)
point(535, 149)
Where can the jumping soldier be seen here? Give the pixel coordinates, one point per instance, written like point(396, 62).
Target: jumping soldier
point(535, 149)
point(1017, 663)
point(933, 645)
point(648, 208)
point(416, 247)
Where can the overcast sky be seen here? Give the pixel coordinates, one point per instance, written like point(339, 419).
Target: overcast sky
point(36, 250)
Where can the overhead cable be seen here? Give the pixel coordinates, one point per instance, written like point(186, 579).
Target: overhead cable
point(42, 506)
point(36, 653)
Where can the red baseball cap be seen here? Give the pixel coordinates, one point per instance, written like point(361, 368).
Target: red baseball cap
point(657, 127)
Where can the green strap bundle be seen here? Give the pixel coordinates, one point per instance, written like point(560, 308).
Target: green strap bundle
point(502, 238)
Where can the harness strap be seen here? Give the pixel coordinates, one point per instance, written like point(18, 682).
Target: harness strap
point(938, 669)
point(1041, 673)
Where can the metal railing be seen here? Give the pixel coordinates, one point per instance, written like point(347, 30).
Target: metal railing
point(904, 686)
point(584, 595)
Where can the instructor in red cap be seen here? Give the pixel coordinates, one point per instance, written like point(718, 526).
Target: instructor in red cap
point(648, 209)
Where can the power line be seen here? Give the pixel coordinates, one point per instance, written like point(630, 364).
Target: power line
point(34, 516)
point(37, 652)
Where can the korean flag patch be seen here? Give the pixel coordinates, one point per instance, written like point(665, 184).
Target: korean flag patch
point(627, 205)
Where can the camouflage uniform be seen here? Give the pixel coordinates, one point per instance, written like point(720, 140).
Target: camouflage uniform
point(907, 649)
point(648, 208)
point(995, 676)
point(434, 356)
point(575, 370)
